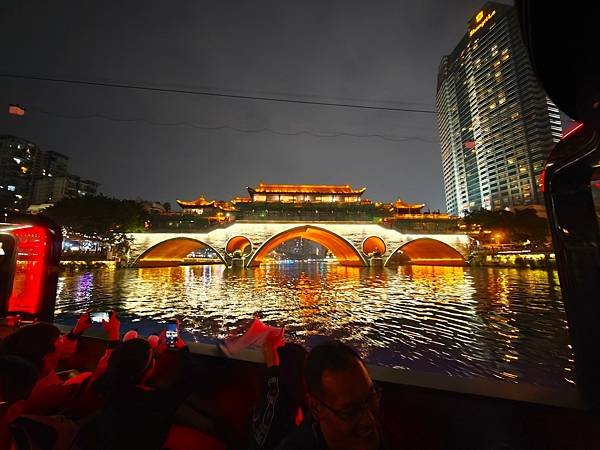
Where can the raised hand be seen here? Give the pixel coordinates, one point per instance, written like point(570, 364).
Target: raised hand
point(112, 327)
point(83, 323)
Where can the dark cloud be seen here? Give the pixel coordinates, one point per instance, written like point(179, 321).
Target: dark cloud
point(383, 53)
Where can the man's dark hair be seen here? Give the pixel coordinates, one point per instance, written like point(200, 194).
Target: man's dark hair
point(333, 356)
point(17, 378)
point(32, 343)
point(126, 367)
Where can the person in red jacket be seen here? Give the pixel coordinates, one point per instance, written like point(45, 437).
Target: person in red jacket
point(44, 346)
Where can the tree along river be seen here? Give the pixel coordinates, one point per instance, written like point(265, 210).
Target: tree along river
point(504, 323)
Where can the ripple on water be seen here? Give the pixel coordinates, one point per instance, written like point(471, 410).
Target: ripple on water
point(503, 323)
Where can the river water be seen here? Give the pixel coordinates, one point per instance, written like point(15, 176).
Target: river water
point(504, 323)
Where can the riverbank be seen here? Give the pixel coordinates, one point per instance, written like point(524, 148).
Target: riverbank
point(521, 260)
point(88, 264)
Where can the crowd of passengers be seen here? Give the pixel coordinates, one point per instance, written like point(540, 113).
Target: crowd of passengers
point(322, 399)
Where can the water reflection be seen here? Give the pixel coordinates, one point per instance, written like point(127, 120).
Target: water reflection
point(505, 323)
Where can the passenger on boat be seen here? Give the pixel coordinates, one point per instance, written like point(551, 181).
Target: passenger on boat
point(134, 414)
point(343, 401)
point(17, 378)
point(43, 346)
point(282, 402)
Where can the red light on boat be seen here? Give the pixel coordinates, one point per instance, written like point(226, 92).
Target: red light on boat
point(33, 247)
point(543, 180)
point(16, 110)
point(571, 131)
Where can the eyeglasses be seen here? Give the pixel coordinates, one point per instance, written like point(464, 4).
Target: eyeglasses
point(353, 414)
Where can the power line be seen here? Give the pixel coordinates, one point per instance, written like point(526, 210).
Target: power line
point(314, 133)
point(213, 94)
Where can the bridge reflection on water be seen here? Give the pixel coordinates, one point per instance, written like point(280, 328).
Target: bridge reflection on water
point(494, 322)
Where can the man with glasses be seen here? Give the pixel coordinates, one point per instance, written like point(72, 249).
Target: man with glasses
point(343, 401)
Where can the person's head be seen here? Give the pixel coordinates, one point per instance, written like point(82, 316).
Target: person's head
point(291, 366)
point(37, 343)
point(129, 365)
point(131, 334)
point(17, 378)
point(342, 397)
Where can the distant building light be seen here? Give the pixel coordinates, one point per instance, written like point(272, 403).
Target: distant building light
point(17, 160)
point(11, 188)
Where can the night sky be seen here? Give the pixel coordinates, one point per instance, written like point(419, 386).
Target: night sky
point(364, 52)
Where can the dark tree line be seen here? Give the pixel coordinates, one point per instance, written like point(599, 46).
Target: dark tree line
point(518, 226)
point(100, 217)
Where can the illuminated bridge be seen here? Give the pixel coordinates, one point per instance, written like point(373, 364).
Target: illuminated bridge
point(353, 244)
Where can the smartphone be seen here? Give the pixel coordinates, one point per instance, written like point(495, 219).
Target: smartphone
point(172, 332)
point(99, 316)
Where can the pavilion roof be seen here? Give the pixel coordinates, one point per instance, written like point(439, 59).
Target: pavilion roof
point(200, 202)
point(401, 204)
point(241, 200)
point(264, 188)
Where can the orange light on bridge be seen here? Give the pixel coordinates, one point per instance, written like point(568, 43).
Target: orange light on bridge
point(373, 245)
point(239, 243)
point(427, 251)
point(343, 250)
point(171, 252)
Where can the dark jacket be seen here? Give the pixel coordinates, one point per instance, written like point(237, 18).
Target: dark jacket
point(306, 437)
point(139, 418)
point(274, 414)
point(309, 437)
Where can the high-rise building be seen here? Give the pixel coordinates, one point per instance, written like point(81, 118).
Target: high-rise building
point(497, 126)
point(29, 175)
point(17, 160)
point(54, 189)
point(51, 164)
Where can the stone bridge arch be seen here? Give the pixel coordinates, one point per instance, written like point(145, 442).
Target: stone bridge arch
point(172, 252)
point(345, 252)
point(426, 251)
point(238, 243)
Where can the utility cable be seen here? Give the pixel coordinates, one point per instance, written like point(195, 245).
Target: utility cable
point(213, 94)
point(319, 134)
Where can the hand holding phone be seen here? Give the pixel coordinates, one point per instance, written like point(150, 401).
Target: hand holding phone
point(99, 316)
point(172, 333)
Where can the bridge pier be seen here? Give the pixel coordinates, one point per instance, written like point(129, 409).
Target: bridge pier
point(237, 263)
point(376, 261)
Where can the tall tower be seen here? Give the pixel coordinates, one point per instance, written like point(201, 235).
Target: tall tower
point(497, 126)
